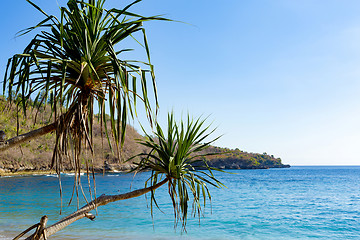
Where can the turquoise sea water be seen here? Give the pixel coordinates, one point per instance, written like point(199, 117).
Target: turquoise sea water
point(295, 203)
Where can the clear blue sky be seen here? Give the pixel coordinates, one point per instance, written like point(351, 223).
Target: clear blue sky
point(276, 76)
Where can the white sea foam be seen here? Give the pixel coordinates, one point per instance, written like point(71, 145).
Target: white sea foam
point(51, 175)
point(3, 237)
point(73, 174)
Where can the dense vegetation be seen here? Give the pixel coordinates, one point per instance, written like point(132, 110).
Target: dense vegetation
point(237, 159)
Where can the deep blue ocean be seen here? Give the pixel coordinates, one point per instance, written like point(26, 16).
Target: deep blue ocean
point(296, 203)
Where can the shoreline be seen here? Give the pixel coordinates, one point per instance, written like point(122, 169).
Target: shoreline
point(108, 168)
point(46, 172)
point(24, 173)
point(8, 173)
point(7, 235)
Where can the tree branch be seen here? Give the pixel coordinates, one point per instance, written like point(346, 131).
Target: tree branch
point(12, 142)
point(83, 212)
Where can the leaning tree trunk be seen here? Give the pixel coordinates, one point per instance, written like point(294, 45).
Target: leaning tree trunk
point(42, 232)
point(12, 142)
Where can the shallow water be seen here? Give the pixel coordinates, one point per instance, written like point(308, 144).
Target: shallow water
point(295, 203)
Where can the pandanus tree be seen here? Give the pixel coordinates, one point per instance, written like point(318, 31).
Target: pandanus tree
point(74, 63)
point(178, 157)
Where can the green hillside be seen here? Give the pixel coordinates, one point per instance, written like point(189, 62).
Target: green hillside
point(37, 154)
point(237, 159)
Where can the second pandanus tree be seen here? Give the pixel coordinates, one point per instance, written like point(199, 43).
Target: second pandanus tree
point(178, 155)
point(75, 63)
